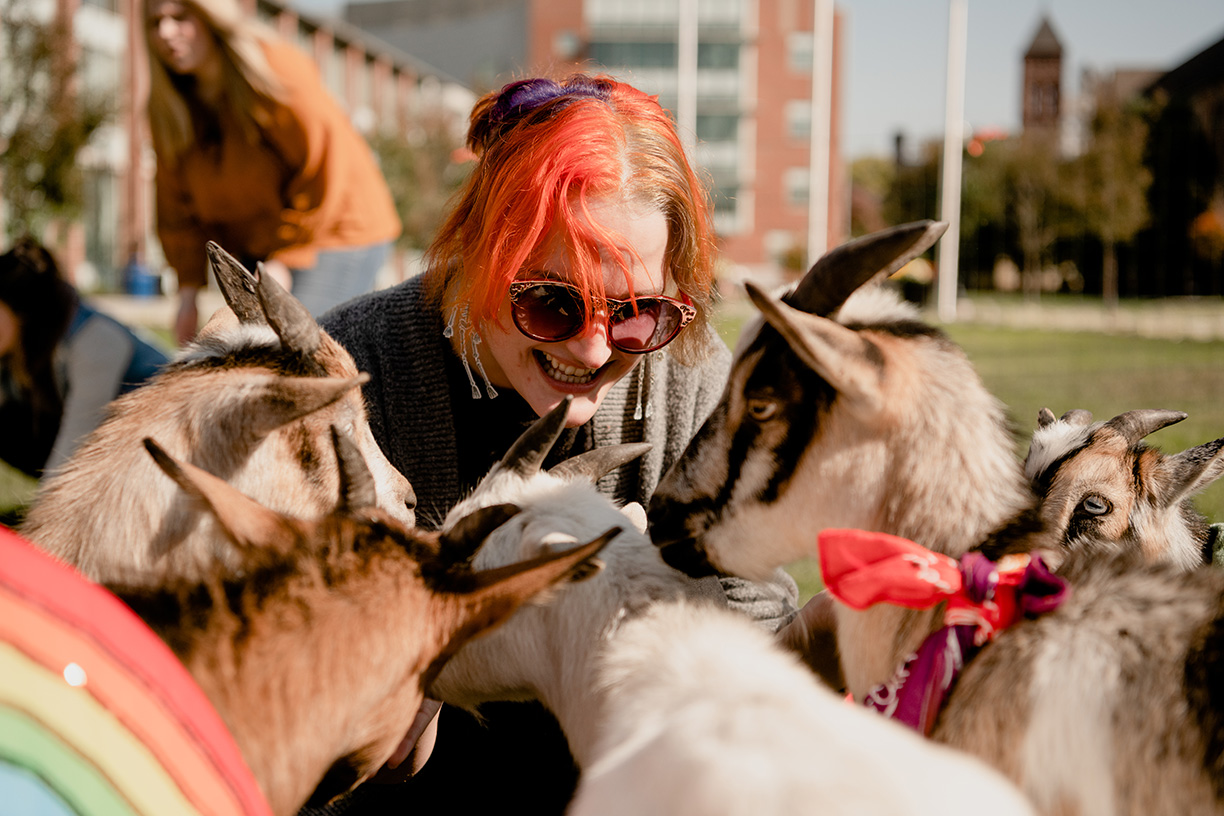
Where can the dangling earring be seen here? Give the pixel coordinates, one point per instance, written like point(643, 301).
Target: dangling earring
point(644, 383)
point(468, 337)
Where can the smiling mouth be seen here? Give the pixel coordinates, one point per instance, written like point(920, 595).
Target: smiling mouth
point(570, 375)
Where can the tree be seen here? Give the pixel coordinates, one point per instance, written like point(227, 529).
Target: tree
point(1112, 183)
point(45, 120)
point(423, 170)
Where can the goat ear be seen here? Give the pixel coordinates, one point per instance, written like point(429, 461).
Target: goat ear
point(1193, 470)
point(593, 465)
point(1076, 416)
point(1134, 425)
point(247, 523)
point(357, 488)
point(836, 353)
point(293, 323)
point(637, 515)
point(505, 588)
point(842, 270)
point(463, 539)
point(286, 399)
point(528, 452)
point(238, 286)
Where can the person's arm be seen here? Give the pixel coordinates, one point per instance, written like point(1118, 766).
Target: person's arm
point(96, 358)
point(182, 241)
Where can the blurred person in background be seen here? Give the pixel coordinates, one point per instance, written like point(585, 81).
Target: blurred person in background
point(255, 154)
point(61, 361)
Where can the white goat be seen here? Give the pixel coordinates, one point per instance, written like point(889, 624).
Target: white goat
point(673, 706)
point(1111, 704)
point(319, 652)
point(1101, 485)
point(252, 400)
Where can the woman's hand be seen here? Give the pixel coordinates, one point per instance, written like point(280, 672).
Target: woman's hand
point(812, 635)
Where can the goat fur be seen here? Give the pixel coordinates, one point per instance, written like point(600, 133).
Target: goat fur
point(875, 420)
point(251, 400)
point(1101, 485)
point(674, 705)
point(320, 652)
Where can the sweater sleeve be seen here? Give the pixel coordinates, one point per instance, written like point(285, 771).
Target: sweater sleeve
point(181, 236)
point(95, 359)
point(303, 132)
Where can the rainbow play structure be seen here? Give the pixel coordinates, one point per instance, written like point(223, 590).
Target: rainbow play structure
point(97, 715)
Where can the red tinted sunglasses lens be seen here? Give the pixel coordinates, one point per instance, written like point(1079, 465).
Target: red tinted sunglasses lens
point(655, 324)
point(547, 311)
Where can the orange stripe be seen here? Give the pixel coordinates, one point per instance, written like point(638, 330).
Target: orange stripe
point(54, 646)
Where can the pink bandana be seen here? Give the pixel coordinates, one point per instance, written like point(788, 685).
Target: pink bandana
point(862, 569)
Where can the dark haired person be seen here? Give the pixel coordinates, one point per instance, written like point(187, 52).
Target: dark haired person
point(61, 361)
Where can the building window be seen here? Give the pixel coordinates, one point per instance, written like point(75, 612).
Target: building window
point(799, 119)
point(718, 55)
point(799, 51)
point(797, 183)
point(635, 54)
point(717, 128)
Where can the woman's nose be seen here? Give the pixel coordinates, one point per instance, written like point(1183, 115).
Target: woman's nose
point(591, 347)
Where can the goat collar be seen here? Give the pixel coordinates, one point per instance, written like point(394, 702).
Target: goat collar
point(983, 597)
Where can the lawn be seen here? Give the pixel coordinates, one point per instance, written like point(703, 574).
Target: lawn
point(1106, 374)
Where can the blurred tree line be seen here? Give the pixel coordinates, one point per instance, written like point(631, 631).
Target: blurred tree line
point(1118, 219)
point(46, 118)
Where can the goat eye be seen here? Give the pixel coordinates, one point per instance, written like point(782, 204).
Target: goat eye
point(762, 410)
point(1095, 505)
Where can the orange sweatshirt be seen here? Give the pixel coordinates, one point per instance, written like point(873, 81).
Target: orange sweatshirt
point(311, 183)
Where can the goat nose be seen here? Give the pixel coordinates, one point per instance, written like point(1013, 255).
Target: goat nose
point(687, 557)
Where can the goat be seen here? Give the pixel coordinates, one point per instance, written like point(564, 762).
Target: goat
point(672, 704)
point(876, 421)
point(319, 652)
point(1101, 485)
point(252, 401)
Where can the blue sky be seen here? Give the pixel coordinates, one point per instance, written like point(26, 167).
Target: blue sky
point(896, 56)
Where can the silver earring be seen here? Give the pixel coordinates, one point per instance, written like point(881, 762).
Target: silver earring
point(644, 383)
point(468, 337)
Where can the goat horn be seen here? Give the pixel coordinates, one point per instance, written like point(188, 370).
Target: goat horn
point(842, 270)
point(460, 542)
point(357, 488)
point(1134, 425)
point(1045, 417)
point(293, 323)
point(528, 452)
point(593, 465)
point(238, 286)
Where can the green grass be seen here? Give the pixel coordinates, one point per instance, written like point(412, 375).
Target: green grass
point(1028, 369)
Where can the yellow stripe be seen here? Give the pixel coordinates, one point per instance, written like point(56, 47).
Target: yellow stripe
point(80, 721)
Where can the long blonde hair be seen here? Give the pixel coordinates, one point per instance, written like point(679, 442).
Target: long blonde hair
point(249, 87)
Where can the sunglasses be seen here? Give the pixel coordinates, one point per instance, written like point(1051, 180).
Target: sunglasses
point(551, 311)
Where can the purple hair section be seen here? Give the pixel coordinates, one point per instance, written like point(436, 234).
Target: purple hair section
point(526, 95)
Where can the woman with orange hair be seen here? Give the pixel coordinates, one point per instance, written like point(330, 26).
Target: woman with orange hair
point(577, 262)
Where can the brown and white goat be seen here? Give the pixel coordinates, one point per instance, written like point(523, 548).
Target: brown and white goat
point(874, 420)
point(1101, 485)
point(320, 651)
point(252, 400)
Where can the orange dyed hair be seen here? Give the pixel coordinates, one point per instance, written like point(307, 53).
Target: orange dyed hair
point(545, 151)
